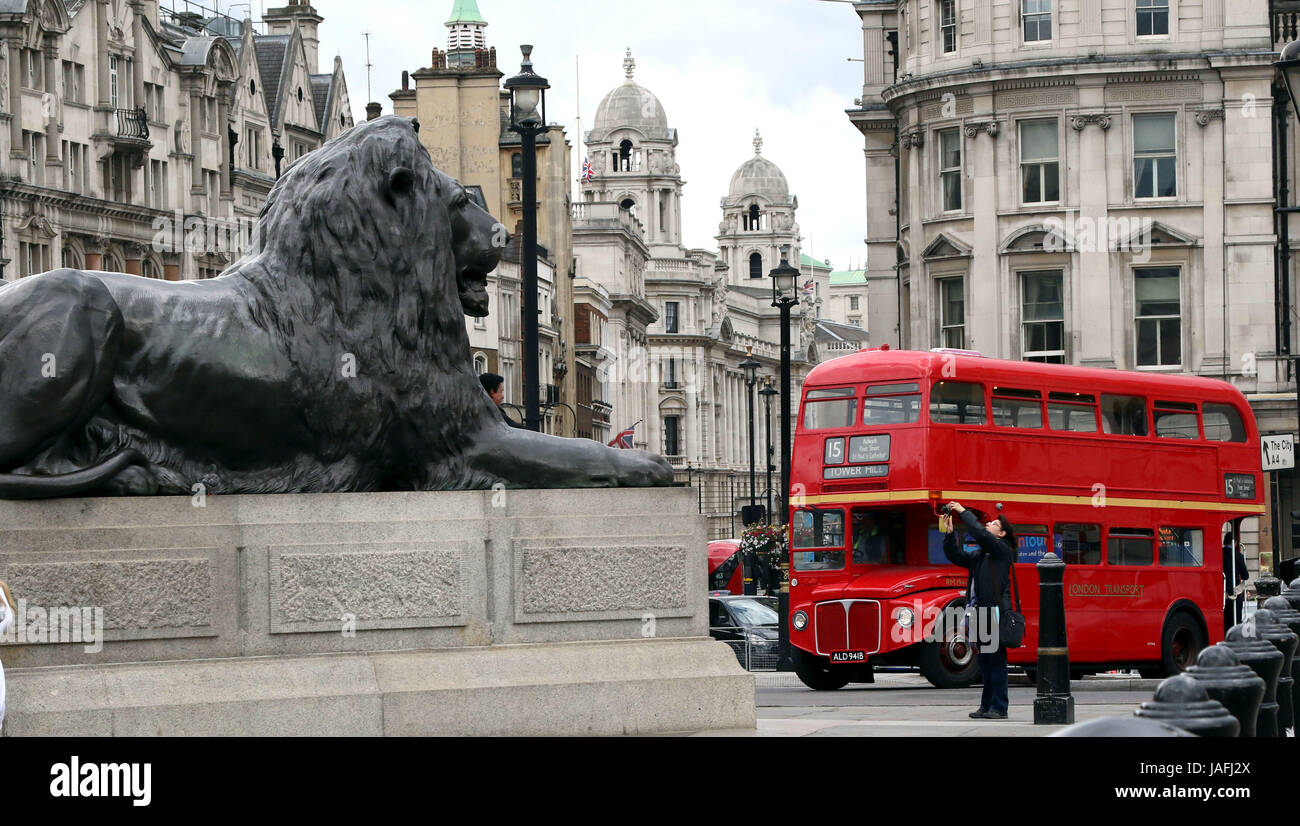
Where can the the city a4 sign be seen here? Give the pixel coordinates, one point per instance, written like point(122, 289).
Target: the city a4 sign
point(1278, 451)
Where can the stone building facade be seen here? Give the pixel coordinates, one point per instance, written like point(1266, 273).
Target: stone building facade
point(138, 136)
point(1087, 182)
point(674, 323)
point(464, 118)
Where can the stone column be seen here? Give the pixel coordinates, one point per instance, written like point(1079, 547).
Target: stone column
point(196, 145)
point(52, 72)
point(94, 260)
point(1215, 300)
point(15, 102)
point(1092, 312)
point(172, 272)
point(105, 100)
point(984, 288)
point(223, 128)
point(137, 65)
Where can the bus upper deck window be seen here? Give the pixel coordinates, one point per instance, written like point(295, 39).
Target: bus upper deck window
point(1017, 408)
point(888, 404)
point(818, 540)
point(1074, 412)
point(1223, 423)
point(1176, 420)
point(1124, 415)
point(825, 409)
point(955, 402)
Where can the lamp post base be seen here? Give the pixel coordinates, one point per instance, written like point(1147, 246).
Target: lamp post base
point(1054, 711)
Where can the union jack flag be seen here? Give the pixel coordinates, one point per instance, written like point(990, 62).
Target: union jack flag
point(588, 172)
point(623, 441)
point(809, 287)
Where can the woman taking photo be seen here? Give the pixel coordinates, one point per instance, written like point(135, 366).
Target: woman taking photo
point(990, 590)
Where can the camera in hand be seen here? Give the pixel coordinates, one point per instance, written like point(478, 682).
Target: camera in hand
point(946, 510)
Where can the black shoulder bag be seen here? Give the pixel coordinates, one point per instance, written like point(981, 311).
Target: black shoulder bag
point(1012, 625)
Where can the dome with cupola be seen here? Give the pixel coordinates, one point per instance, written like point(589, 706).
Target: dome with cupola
point(759, 177)
point(631, 106)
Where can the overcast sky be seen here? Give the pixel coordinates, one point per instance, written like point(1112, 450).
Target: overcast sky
point(720, 68)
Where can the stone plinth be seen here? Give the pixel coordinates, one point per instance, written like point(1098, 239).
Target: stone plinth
point(514, 612)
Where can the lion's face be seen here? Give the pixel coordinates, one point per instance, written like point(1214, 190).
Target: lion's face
point(478, 241)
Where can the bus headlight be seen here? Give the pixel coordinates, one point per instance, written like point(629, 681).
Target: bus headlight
point(905, 617)
point(800, 620)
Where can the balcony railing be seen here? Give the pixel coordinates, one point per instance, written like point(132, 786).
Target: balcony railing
point(1286, 21)
point(133, 123)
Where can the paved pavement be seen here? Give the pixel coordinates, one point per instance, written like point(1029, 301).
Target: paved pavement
point(905, 705)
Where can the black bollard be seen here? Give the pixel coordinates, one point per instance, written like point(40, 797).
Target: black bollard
point(1266, 587)
point(1182, 701)
point(1289, 617)
point(1292, 594)
point(1269, 627)
point(1219, 670)
point(1054, 704)
point(1122, 727)
point(1266, 661)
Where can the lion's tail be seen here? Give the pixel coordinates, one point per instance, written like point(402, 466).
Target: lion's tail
point(21, 486)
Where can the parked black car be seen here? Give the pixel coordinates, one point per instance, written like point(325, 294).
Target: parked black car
point(749, 625)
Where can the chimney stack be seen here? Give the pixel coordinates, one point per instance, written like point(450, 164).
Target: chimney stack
point(372, 110)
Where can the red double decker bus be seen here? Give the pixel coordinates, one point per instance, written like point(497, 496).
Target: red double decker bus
point(1130, 478)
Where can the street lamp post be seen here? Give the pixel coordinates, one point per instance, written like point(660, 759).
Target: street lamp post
point(750, 367)
point(528, 120)
point(767, 393)
point(784, 279)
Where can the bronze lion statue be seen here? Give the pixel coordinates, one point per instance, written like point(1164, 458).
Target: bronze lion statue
point(331, 358)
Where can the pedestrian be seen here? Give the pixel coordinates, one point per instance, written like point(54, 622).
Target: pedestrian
point(989, 591)
point(1235, 577)
point(6, 622)
point(495, 387)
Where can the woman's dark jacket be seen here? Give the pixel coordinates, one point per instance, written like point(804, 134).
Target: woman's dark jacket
point(990, 566)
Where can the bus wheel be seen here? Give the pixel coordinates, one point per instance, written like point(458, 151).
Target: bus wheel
point(949, 664)
point(816, 673)
point(1182, 642)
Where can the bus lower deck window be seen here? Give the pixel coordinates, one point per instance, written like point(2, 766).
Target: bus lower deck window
point(1079, 544)
point(1181, 548)
point(818, 540)
point(1130, 547)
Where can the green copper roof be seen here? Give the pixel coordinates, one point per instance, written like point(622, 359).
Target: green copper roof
point(808, 261)
point(848, 278)
point(466, 11)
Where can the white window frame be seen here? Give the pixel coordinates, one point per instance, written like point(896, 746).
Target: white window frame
point(1182, 326)
point(1147, 6)
point(944, 26)
point(942, 284)
point(958, 171)
point(114, 75)
point(1025, 354)
point(1042, 163)
point(1025, 15)
point(1135, 156)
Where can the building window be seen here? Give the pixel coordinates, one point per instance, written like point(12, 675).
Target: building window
point(33, 259)
point(253, 144)
point(670, 316)
point(663, 212)
point(1152, 17)
point(1155, 156)
point(33, 68)
point(1159, 317)
point(672, 436)
point(952, 313)
point(1040, 168)
point(853, 303)
point(855, 322)
point(950, 169)
point(112, 80)
point(74, 81)
point(756, 265)
point(480, 363)
point(1043, 317)
point(1037, 17)
point(517, 165)
point(948, 25)
point(754, 219)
